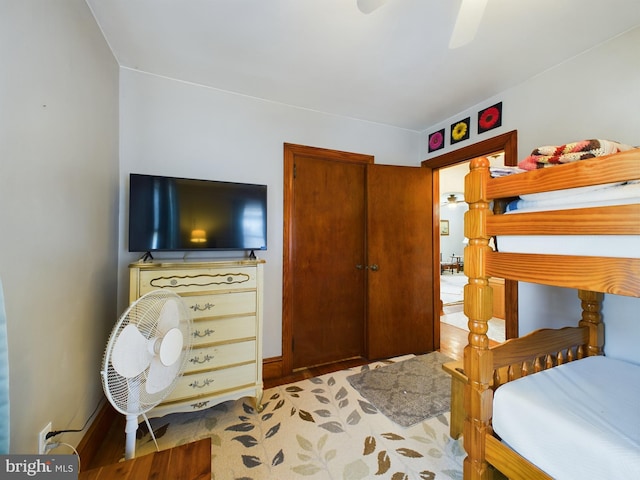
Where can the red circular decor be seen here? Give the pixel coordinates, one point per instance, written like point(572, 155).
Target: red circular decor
point(489, 118)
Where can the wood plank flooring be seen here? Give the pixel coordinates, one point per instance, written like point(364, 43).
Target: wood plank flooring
point(191, 461)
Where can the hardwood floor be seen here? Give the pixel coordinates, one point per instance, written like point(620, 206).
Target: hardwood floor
point(452, 343)
point(191, 461)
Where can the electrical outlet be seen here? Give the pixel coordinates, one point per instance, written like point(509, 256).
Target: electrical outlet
point(42, 438)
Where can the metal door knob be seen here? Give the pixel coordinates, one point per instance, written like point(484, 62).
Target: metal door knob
point(374, 267)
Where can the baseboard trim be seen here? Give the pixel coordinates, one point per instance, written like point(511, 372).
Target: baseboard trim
point(272, 368)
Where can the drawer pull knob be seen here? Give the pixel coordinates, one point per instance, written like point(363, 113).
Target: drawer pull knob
point(198, 308)
point(197, 360)
point(206, 333)
point(197, 384)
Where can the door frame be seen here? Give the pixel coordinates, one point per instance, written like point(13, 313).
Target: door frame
point(507, 142)
point(290, 153)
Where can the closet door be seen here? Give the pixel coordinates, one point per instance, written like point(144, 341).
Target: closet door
point(399, 252)
point(328, 252)
point(357, 252)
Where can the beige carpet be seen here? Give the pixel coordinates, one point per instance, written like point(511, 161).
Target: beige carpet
point(320, 428)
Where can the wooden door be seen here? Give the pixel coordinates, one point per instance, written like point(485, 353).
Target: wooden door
point(399, 260)
point(325, 264)
point(327, 288)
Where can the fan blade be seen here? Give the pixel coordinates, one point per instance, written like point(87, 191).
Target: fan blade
point(160, 376)
point(169, 316)
point(130, 355)
point(467, 23)
point(368, 6)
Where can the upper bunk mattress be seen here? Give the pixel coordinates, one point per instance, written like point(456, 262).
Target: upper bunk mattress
point(578, 420)
point(620, 246)
point(613, 246)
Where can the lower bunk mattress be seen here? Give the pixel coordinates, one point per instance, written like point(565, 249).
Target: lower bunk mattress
point(578, 420)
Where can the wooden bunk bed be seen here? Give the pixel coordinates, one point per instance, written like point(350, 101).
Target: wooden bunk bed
point(488, 368)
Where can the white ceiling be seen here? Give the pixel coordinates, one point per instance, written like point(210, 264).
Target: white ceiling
point(392, 66)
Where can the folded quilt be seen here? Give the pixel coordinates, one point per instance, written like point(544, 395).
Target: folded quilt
point(503, 171)
point(549, 156)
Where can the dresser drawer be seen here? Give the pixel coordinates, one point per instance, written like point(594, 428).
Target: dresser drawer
point(200, 280)
point(224, 300)
point(200, 403)
point(217, 356)
point(236, 303)
point(219, 330)
point(206, 383)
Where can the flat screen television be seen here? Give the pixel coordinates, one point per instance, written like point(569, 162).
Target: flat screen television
point(180, 214)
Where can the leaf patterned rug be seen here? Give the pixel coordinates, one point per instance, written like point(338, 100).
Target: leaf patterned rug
point(319, 428)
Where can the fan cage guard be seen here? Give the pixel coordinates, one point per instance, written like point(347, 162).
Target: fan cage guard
point(128, 395)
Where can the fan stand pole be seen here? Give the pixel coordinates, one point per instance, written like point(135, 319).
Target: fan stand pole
point(130, 431)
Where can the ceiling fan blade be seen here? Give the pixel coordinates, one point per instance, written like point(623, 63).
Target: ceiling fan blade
point(368, 6)
point(469, 17)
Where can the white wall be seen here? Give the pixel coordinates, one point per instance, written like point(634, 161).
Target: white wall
point(452, 244)
point(58, 214)
point(169, 127)
point(594, 95)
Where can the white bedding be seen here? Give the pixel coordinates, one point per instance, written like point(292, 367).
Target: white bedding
point(579, 420)
point(620, 246)
point(613, 246)
point(582, 197)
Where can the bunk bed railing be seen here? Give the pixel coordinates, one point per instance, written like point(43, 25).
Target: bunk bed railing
point(612, 220)
point(620, 276)
point(538, 351)
point(548, 348)
point(620, 167)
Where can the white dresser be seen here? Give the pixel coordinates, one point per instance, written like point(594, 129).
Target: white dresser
point(225, 300)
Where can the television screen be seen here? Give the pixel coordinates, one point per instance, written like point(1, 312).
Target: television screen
point(167, 213)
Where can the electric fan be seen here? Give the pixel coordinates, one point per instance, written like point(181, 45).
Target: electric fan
point(145, 356)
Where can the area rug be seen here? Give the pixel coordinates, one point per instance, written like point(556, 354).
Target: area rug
point(319, 428)
point(407, 392)
point(452, 288)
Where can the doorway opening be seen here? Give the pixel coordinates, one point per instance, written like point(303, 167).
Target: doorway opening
point(448, 189)
point(452, 207)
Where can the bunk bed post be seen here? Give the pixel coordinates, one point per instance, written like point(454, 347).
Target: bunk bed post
point(478, 307)
point(592, 319)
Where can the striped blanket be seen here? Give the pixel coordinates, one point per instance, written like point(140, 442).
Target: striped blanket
point(549, 156)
